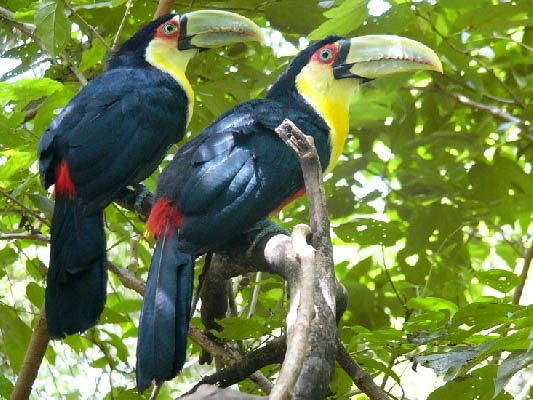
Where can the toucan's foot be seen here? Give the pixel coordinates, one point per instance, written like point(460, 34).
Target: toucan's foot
point(141, 193)
point(258, 232)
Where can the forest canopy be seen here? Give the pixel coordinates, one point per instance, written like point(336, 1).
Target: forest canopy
point(430, 205)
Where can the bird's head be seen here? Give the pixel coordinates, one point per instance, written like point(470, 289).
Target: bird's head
point(172, 40)
point(327, 73)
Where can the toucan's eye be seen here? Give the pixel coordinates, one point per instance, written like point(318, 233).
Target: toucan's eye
point(170, 29)
point(326, 54)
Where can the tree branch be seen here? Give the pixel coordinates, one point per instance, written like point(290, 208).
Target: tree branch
point(91, 28)
point(23, 206)
point(121, 26)
point(491, 109)
point(29, 30)
point(271, 353)
point(319, 363)
point(38, 237)
point(300, 315)
point(163, 7)
point(528, 256)
point(32, 360)
point(214, 393)
point(360, 377)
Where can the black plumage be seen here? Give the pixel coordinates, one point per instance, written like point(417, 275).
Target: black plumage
point(113, 133)
point(223, 181)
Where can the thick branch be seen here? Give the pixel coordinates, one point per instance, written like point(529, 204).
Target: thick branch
point(164, 7)
point(271, 353)
point(126, 199)
point(319, 363)
point(32, 360)
point(299, 317)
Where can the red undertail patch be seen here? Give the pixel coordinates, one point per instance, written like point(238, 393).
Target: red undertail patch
point(64, 185)
point(295, 196)
point(164, 218)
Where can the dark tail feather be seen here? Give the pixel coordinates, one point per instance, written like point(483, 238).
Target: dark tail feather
point(76, 281)
point(164, 322)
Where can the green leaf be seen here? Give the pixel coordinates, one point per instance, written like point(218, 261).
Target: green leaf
point(6, 387)
point(498, 279)
point(241, 328)
point(432, 304)
point(35, 294)
point(28, 89)
point(478, 385)
point(367, 232)
point(448, 364)
point(342, 20)
point(510, 366)
point(44, 204)
point(53, 27)
point(16, 336)
point(93, 56)
point(100, 362)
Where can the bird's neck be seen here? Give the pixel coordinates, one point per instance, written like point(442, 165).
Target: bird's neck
point(331, 100)
point(167, 58)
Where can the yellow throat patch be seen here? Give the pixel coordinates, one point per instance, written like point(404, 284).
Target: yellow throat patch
point(164, 55)
point(331, 100)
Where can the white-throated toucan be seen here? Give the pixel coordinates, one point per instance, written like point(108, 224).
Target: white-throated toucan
point(115, 133)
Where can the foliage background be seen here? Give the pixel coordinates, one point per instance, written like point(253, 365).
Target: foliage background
point(431, 205)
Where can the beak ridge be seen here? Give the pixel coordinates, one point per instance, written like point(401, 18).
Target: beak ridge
point(206, 29)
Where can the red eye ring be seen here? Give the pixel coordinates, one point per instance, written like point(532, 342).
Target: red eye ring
point(168, 30)
point(326, 54)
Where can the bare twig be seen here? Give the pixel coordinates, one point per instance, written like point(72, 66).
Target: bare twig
point(29, 30)
point(23, 206)
point(67, 60)
point(195, 334)
point(91, 28)
point(121, 26)
point(157, 389)
point(491, 109)
point(38, 237)
point(128, 279)
point(467, 52)
point(255, 294)
point(528, 256)
point(32, 360)
point(270, 353)
point(360, 377)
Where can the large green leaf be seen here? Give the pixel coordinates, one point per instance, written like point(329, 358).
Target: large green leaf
point(342, 20)
point(53, 27)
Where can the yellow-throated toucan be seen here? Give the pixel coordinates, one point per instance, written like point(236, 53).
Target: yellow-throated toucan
point(114, 133)
point(237, 171)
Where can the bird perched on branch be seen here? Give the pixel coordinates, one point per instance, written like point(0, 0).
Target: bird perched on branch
point(115, 133)
point(237, 171)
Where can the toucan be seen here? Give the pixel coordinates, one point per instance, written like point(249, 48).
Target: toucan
point(237, 171)
point(115, 133)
